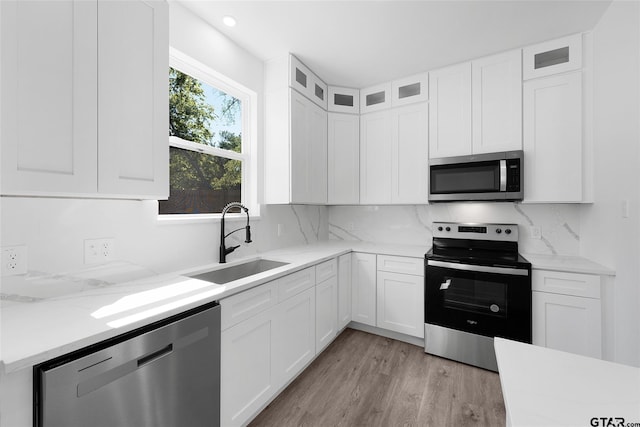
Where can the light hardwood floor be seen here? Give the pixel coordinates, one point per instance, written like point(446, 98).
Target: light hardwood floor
point(367, 380)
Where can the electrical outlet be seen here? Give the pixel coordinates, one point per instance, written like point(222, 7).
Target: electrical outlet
point(99, 250)
point(14, 260)
point(535, 232)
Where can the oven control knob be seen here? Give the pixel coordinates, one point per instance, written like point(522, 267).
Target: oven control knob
point(507, 231)
point(448, 228)
point(440, 228)
point(494, 308)
point(498, 230)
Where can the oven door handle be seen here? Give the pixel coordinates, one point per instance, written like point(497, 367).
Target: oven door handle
point(508, 271)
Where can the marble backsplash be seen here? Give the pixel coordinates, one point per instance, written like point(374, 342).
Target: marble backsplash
point(411, 224)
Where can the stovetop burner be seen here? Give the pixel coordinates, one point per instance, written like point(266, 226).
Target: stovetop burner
point(479, 244)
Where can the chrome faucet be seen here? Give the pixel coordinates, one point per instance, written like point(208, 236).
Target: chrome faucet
point(224, 251)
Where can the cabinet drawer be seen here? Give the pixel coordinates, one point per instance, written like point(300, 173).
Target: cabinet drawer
point(295, 283)
point(410, 89)
point(404, 265)
point(343, 100)
point(552, 57)
point(326, 270)
point(375, 98)
point(244, 305)
point(557, 282)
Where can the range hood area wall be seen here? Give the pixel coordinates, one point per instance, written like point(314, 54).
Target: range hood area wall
point(559, 223)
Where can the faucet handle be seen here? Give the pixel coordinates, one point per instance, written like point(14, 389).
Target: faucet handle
point(248, 236)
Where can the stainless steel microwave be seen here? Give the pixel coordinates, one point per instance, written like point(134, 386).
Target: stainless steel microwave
point(491, 176)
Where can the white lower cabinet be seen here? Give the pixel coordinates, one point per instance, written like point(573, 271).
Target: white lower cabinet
point(326, 312)
point(344, 290)
point(400, 296)
point(295, 343)
point(567, 313)
point(248, 378)
point(269, 337)
point(363, 288)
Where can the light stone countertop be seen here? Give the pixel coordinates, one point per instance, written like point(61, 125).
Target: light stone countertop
point(570, 264)
point(43, 316)
point(545, 387)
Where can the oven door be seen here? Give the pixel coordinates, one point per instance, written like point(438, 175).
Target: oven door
point(483, 300)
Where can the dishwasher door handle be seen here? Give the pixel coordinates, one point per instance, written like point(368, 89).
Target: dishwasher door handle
point(155, 355)
point(127, 368)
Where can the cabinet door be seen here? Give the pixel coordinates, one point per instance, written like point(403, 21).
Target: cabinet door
point(343, 175)
point(375, 155)
point(400, 301)
point(363, 288)
point(450, 111)
point(317, 137)
point(344, 290)
point(553, 138)
point(410, 90)
point(295, 345)
point(567, 323)
point(49, 97)
point(308, 151)
point(248, 375)
point(375, 98)
point(343, 100)
point(326, 312)
point(497, 103)
point(553, 57)
point(410, 153)
point(300, 147)
point(133, 98)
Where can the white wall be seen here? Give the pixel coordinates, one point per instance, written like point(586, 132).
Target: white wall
point(54, 229)
point(608, 237)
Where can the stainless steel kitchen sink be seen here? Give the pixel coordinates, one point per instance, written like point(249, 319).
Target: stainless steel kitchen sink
point(239, 271)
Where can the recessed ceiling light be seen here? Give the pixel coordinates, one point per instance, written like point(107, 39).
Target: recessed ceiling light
point(229, 21)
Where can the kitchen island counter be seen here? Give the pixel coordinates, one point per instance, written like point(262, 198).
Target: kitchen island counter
point(545, 387)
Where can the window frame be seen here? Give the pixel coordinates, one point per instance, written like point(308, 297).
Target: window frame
point(248, 155)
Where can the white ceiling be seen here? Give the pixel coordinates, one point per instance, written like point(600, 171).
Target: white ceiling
point(361, 43)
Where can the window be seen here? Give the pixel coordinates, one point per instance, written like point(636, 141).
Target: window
point(211, 119)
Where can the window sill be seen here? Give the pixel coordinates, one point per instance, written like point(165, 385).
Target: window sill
point(203, 218)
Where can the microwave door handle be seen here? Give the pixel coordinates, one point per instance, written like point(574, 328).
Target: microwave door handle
point(503, 175)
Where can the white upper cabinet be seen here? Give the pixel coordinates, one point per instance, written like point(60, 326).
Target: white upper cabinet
point(133, 93)
point(308, 151)
point(553, 138)
point(409, 154)
point(49, 111)
point(343, 100)
point(375, 157)
point(343, 151)
point(410, 90)
point(497, 102)
point(72, 125)
point(306, 82)
point(375, 98)
point(553, 57)
point(394, 156)
point(450, 111)
point(295, 155)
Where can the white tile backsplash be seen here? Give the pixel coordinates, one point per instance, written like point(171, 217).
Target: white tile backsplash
point(558, 223)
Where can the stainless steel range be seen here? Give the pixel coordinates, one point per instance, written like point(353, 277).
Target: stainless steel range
point(477, 287)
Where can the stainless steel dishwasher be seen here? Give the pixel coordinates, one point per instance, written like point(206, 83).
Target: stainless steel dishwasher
point(163, 375)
